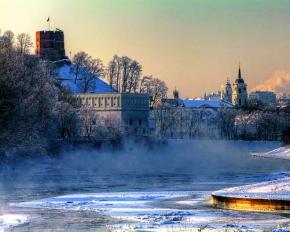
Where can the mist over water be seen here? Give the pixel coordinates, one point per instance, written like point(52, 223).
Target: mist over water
point(174, 165)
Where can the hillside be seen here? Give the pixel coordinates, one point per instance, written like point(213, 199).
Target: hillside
point(66, 78)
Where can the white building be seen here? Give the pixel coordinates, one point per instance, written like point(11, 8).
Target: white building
point(131, 108)
point(266, 97)
point(214, 104)
point(226, 93)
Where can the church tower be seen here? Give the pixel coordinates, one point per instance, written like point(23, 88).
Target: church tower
point(175, 94)
point(239, 95)
point(226, 93)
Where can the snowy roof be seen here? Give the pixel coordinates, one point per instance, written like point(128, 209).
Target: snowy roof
point(173, 101)
point(206, 103)
point(66, 78)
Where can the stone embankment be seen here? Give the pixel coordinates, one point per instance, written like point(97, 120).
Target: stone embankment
point(271, 195)
point(229, 202)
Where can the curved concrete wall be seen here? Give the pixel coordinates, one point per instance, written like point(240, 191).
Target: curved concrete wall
point(250, 204)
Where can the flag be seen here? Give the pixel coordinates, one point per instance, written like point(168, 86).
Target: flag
point(47, 19)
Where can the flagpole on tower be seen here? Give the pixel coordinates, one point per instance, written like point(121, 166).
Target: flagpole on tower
point(48, 20)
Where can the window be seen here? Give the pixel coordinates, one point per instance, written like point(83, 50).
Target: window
point(240, 90)
point(140, 121)
point(131, 121)
point(240, 102)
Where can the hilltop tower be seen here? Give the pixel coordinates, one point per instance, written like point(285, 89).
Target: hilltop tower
point(226, 93)
point(239, 95)
point(175, 94)
point(50, 45)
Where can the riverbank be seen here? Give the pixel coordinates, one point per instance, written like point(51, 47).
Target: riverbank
point(162, 189)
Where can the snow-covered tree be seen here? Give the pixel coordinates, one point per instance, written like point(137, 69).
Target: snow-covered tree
point(24, 43)
point(155, 87)
point(226, 122)
point(27, 98)
point(123, 74)
point(90, 121)
point(8, 38)
point(79, 61)
point(114, 126)
point(86, 70)
point(67, 120)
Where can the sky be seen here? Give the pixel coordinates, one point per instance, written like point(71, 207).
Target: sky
point(193, 45)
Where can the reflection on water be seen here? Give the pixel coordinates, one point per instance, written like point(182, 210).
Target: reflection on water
point(180, 165)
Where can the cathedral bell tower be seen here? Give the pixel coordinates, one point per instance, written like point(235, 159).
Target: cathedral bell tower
point(239, 95)
point(226, 93)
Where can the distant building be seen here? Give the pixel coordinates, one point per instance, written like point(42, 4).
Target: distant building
point(226, 93)
point(264, 96)
point(131, 108)
point(213, 104)
point(213, 96)
point(284, 99)
point(239, 94)
point(175, 101)
point(50, 44)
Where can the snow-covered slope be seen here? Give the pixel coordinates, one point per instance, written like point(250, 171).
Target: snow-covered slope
point(281, 153)
point(66, 78)
point(273, 190)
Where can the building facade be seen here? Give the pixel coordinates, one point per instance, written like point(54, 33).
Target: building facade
point(266, 97)
point(226, 93)
point(131, 108)
point(239, 91)
point(50, 44)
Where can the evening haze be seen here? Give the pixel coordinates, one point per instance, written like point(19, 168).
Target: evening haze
point(193, 45)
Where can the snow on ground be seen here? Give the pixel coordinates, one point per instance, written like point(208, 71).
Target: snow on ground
point(66, 78)
point(173, 210)
point(278, 189)
point(12, 220)
point(160, 211)
point(281, 153)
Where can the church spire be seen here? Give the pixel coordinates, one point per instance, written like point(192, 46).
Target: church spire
point(240, 75)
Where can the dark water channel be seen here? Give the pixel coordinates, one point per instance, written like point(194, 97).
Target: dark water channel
point(178, 165)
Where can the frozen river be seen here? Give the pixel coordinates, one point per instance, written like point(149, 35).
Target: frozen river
point(197, 167)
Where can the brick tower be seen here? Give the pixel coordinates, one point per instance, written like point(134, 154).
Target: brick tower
point(50, 45)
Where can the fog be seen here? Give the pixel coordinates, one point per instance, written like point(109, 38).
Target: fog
point(142, 166)
point(171, 157)
point(172, 164)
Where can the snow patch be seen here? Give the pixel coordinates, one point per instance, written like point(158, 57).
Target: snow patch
point(280, 153)
point(12, 220)
point(159, 211)
point(66, 78)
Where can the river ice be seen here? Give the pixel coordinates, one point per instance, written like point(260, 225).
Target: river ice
point(159, 211)
point(174, 198)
